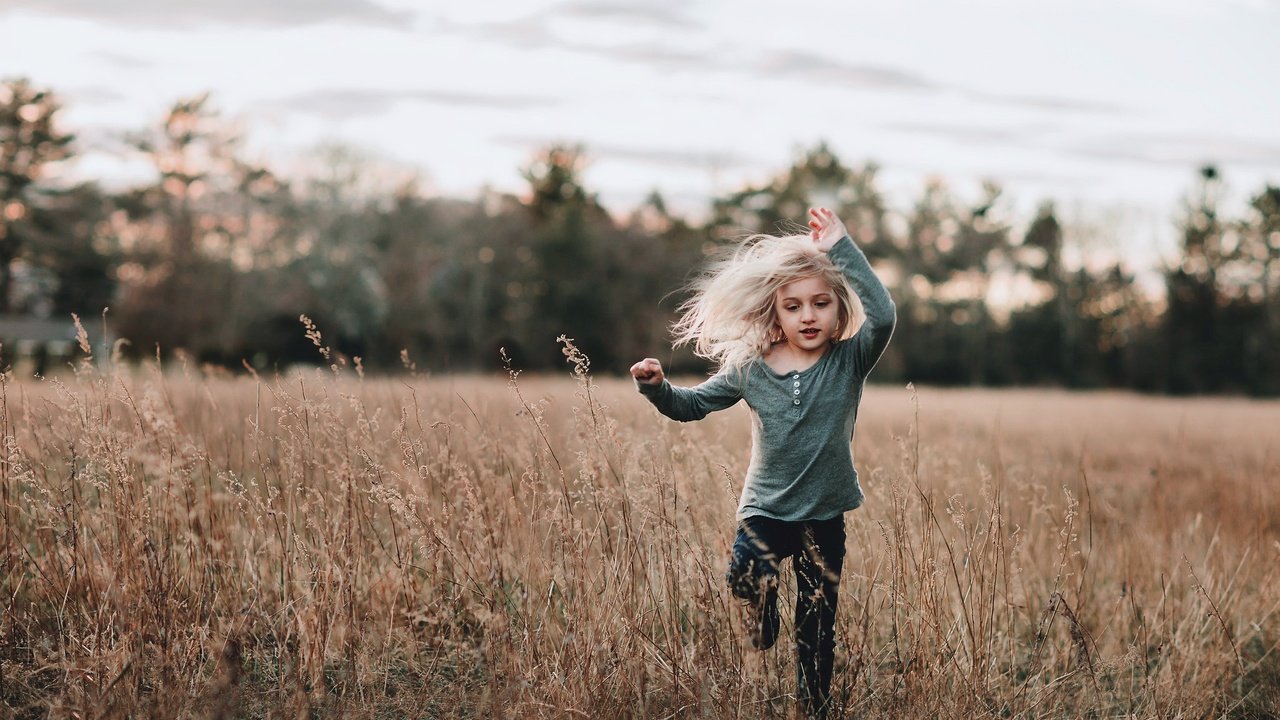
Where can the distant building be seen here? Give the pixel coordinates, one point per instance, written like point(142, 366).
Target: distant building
point(30, 345)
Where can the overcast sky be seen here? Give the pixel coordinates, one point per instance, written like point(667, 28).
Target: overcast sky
point(1107, 106)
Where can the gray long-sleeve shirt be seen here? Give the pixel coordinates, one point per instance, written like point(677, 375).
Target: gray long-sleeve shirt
point(802, 422)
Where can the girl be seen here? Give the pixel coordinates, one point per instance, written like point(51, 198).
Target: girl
point(794, 342)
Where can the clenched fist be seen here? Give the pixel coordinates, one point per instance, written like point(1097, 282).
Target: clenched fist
point(648, 371)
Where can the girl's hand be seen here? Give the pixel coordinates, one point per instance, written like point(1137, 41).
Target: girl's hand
point(648, 371)
point(825, 228)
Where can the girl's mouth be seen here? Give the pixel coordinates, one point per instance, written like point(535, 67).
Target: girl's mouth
point(810, 333)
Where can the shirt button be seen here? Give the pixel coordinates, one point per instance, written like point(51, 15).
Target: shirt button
point(796, 401)
point(796, 383)
point(796, 391)
point(795, 377)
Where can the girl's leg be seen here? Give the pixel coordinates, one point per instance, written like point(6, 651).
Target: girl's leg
point(753, 575)
point(818, 565)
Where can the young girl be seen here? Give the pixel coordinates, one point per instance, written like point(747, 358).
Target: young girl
point(794, 342)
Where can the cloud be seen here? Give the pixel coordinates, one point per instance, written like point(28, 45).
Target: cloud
point(626, 13)
point(966, 134)
point(533, 32)
point(665, 157)
point(122, 61)
point(92, 96)
point(530, 32)
point(662, 157)
point(1186, 150)
point(815, 68)
point(1062, 179)
point(1051, 104)
point(347, 103)
point(192, 14)
point(654, 56)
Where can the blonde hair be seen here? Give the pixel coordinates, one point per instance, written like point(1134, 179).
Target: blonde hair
point(731, 318)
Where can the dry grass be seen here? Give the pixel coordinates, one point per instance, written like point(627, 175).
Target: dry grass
point(462, 547)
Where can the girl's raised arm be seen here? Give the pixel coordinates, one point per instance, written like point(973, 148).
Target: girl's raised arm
point(830, 235)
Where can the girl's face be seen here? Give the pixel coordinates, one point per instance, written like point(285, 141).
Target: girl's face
point(807, 313)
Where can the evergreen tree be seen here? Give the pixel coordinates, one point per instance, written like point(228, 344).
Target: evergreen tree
point(1191, 329)
point(1259, 252)
point(571, 291)
point(29, 142)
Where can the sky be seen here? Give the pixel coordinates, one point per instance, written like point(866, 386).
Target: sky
point(1107, 108)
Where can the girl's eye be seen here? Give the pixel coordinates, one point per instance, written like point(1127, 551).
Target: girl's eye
point(791, 308)
point(822, 303)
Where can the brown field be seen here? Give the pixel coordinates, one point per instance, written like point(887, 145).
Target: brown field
point(322, 545)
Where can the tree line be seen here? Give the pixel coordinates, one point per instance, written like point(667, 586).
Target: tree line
point(219, 256)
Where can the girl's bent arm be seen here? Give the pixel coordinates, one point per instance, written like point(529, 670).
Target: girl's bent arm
point(882, 314)
point(685, 404)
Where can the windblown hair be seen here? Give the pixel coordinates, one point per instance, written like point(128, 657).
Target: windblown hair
point(731, 317)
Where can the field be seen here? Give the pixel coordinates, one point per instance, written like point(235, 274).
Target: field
point(322, 544)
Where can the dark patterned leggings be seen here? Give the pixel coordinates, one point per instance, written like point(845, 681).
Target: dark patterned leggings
point(817, 549)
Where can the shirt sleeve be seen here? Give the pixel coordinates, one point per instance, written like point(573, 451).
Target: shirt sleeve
point(872, 338)
point(721, 391)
